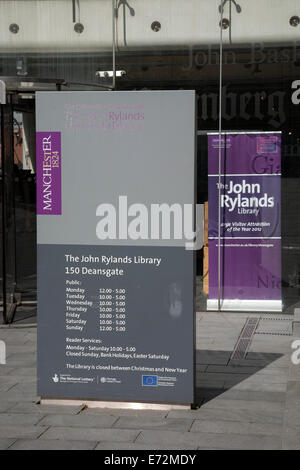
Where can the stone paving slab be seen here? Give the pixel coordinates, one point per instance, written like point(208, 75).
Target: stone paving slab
point(297, 315)
point(259, 385)
point(5, 371)
point(90, 434)
point(296, 330)
point(21, 360)
point(272, 378)
point(274, 371)
point(291, 439)
point(43, 409)
point(80, 420)
point(17, 396)
point(231, 414)
point(6, 383)
point(210, 440)
point(17, 334)
point(260, 406)
point(18, 432)
point(209, 382)
point(23, 380)
point(201, 368)
point(6, 443)
point(27, 387)
point(171, 424)
point(18, 419)
point(294, 372)
point(202, 342)
point(251, 395)
point(5, 406)
point(39, 444)
point(233, 384)
point(293, 394)
point(232, 369)
point(255, 361)
point(12, 340)
point(212, 357)
point(279, 363)
point(22, 371)
point(26, 348)
point(292, 417)
point(262, 356)
point(132, 447)
point(236, 427)
point(283, 348)
point(165, 438)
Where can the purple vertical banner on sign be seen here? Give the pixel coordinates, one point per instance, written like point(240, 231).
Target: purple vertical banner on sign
point(48, 164)
point(250, 225)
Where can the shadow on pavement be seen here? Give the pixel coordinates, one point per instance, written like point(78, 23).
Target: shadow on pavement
point(216, 374)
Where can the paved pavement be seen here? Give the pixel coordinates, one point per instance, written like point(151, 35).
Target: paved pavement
point(250, 402)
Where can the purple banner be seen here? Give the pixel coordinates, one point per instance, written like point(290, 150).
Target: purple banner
point(48, 164)
point(250, 245)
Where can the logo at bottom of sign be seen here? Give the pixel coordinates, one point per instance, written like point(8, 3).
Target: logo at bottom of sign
point(149, 381)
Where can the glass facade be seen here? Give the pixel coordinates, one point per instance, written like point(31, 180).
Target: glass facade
point(243, 59)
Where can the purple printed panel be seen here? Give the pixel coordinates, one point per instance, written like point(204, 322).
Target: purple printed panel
point(250, 206)
point(48, 163)
point(255, 154)
point(250, 216)
point(250, 269)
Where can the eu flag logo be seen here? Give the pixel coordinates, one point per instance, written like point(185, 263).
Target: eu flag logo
point(149, 380)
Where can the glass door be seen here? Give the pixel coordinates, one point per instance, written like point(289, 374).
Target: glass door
point(8, 213)
point(25, 202)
